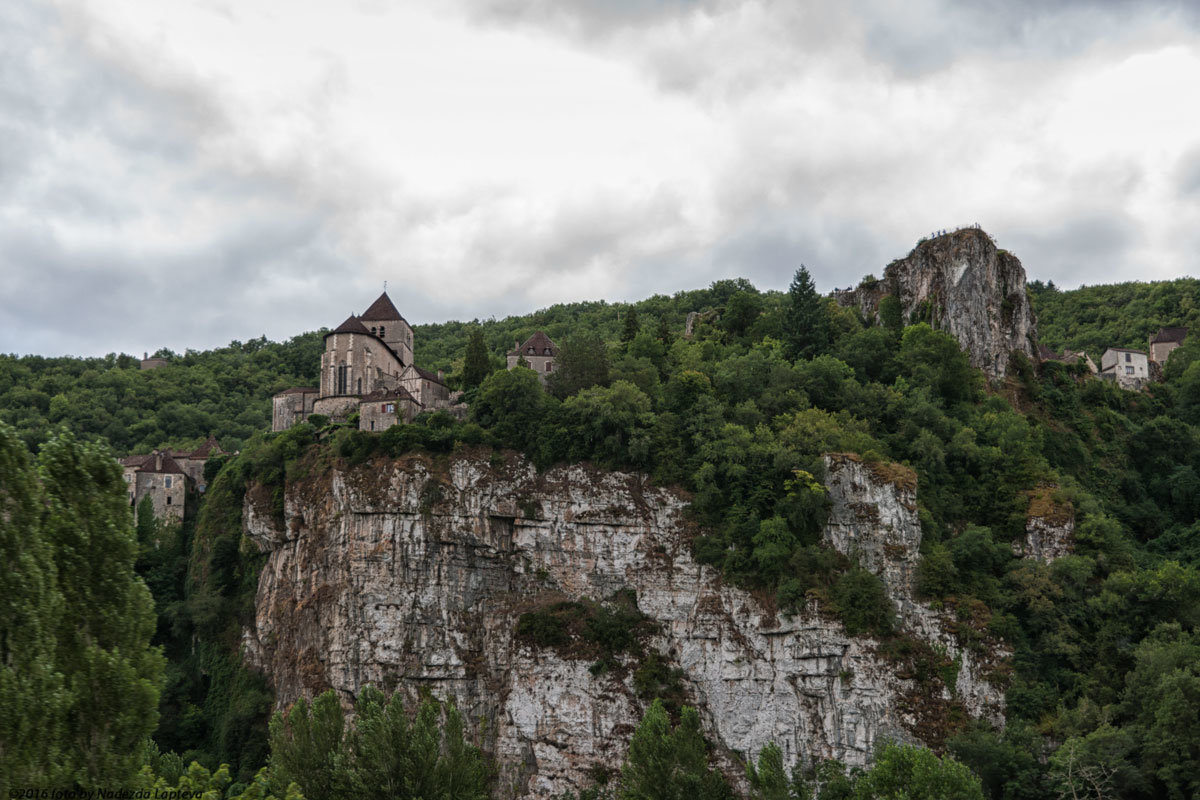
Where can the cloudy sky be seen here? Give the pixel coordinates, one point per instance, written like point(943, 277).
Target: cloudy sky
point(182, 173)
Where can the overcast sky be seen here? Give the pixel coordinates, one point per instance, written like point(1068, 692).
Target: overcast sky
point(182, 174)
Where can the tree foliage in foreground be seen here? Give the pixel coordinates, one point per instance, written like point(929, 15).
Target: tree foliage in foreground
point(385, 755)
point(75, 656)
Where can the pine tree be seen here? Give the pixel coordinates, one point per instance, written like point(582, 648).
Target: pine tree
point(476, 365)
point(32, 696)
point(103, 637)
point(807, 332)
point(666, 764)
point(631, 326)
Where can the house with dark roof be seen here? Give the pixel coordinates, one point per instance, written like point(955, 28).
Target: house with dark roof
point(383, 408)
point(538, 352)
point(166, 476)
point(367, 356)
point(1163, 342)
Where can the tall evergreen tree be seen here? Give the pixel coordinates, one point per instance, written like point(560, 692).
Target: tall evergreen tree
point(670, 764)
point(630, 326)
point(807, 331)
point(476, 365)
point(103, 637)
point(32, 696)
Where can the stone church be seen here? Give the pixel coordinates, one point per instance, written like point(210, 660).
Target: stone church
point(368, 368)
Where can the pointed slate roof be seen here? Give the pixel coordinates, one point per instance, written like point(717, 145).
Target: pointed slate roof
point(209, 448)
point(382, 309)
point(540, 342)
point(351, 325)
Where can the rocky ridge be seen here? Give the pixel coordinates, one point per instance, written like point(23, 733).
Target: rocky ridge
point(411, 574)
point(960, 283)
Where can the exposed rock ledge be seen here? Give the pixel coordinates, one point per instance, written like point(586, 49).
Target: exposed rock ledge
point(407, 575)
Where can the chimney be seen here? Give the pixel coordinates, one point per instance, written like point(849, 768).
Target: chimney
point(516, 344)
point(441, 376)
point(158, 461)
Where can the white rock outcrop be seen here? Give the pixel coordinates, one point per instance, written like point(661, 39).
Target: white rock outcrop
point(411, 574)
point(960, 283)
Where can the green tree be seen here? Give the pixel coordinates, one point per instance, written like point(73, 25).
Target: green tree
point(907, 772)
point(113, 674)
point(630, 325)
point(476, 364)
point(769, 780)
point(307, 749)
point(741, 311)
point(670, 764)
point(32, 697)
point(511, 404)
point(806, 328)
point(581, 364)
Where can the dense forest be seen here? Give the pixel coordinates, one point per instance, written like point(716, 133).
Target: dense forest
point(1103, 689)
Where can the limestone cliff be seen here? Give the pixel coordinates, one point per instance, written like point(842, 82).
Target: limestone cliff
point(960, 283)
point(411, 574)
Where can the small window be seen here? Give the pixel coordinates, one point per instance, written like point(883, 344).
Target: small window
point(529, 350)
point(381, 333)
point(389, 408)
point(168, 481)
point(1129, 370)
point(546, 352)
point(372, 330)
point(168, 499)
point(549, 364)
point(1128, 357)
point(360, 385)
point(372, 424)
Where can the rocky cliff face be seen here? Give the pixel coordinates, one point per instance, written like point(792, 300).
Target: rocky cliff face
point(411, 574)
point(960, 283)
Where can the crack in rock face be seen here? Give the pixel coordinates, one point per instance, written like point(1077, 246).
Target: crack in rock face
point(411, 575)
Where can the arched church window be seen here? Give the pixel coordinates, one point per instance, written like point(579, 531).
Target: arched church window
point(381, 334)
point(372, 330)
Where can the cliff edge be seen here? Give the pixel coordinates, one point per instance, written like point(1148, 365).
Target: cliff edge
point(412, 574)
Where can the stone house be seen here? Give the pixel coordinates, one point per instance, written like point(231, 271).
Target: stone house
point(166, 476)
point(383, 408)
point(429, 389)
point(160, 477)
point(291, 406)
point(365, 357)
point(539, 353)
point(1129, 368)
point(1163, 342)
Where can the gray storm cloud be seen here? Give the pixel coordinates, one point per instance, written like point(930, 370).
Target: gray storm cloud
point(147, 201)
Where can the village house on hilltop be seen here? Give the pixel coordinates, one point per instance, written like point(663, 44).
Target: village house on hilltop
point(1130, 369)
point(538, 352)
point(367, 368)
point(165, 476)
